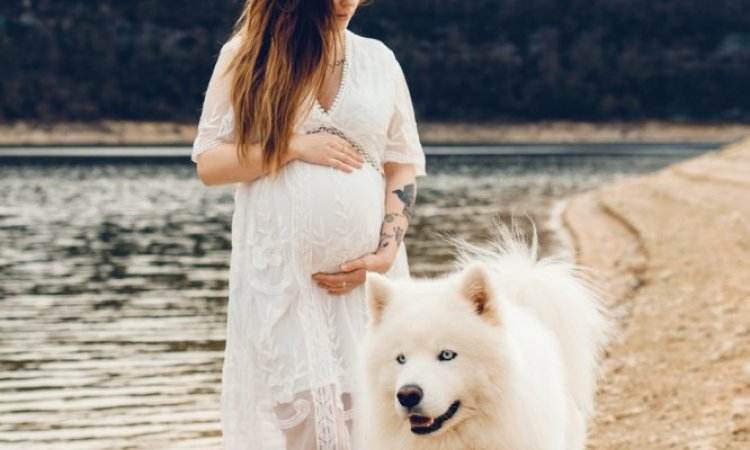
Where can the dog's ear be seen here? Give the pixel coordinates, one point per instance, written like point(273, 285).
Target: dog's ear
point(476, 287)
point(378, 291)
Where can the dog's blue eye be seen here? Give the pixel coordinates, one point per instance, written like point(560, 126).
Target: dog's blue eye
point(447, 355)
point(401, 359)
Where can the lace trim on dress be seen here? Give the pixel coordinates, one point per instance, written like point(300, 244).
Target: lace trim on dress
point(344, 79)
point(310, 314)
point(335, 131)
point(301, 411)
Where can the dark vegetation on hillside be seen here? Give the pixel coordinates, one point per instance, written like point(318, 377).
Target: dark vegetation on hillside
point(464, 60)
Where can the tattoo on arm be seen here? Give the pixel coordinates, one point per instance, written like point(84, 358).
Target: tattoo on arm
point(397, 231)
point(384, 239)
point(406, 195)
point(398, 234)
point(390, 217)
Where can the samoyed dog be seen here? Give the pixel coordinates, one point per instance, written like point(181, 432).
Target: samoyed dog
point(501, 354)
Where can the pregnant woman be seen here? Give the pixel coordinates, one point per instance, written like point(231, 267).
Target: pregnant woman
point(315, 124)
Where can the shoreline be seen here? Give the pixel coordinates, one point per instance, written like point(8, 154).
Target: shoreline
point(132, 133)
point(667, 251)
point(525, 150)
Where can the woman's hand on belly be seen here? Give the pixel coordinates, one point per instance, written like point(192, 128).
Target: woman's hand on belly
point(325, 149)
point(353, 273)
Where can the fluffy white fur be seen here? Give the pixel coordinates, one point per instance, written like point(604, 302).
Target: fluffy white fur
point(527, 335)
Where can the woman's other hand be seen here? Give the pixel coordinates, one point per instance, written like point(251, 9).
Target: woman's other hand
point(353, 273)
point(325, 149)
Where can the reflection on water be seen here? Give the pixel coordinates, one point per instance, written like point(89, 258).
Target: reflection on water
point(113, 285)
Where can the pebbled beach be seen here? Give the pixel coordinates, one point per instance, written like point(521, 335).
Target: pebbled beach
point(671, 250)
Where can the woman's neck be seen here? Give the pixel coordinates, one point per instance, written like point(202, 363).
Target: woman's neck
point(340, 46)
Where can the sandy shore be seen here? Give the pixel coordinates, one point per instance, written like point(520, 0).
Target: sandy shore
point(672, 251)
point(173, 133)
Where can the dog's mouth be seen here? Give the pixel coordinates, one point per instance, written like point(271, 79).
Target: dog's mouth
point(425, 425)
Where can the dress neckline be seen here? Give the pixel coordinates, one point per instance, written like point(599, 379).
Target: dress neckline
point(344, 77)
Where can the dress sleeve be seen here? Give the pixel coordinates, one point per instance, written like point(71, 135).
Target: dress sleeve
point(403, 139)
point(216, 104)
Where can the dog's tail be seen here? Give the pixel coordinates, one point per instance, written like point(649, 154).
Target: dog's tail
point(558, 293)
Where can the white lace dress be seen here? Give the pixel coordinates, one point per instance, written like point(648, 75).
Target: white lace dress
point(291, 349)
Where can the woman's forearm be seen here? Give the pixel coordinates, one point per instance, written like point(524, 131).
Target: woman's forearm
point(400, 196)
point(220, 165)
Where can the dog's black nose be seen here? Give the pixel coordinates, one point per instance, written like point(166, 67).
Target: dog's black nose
point(409, 395)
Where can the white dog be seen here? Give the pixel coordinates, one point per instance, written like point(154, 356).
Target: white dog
point(501, 354)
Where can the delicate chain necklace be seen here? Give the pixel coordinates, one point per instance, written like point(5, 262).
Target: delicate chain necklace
point(338, 62)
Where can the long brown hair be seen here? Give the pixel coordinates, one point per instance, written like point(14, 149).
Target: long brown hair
point(284, 46)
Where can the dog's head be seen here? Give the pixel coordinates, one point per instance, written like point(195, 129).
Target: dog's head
point(434, 346)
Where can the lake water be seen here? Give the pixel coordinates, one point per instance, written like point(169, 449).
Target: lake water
point(113, 279)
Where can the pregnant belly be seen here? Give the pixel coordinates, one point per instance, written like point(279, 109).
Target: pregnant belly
point(346, 213)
